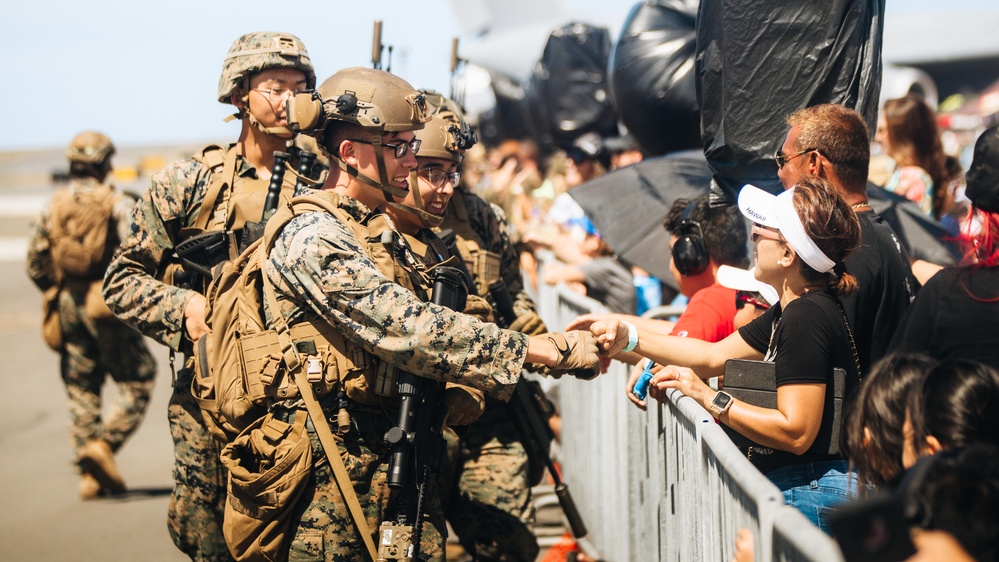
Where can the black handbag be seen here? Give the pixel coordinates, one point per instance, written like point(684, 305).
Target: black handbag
point(755, 382)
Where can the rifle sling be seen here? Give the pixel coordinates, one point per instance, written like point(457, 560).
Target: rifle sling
point(319, 420)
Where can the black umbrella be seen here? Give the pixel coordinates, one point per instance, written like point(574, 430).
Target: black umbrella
point(628, 206)
point(923, 238)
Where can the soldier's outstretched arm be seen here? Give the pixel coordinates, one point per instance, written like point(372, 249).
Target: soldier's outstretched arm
point(318, 268)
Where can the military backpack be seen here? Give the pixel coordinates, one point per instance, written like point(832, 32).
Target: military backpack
point(80, 223)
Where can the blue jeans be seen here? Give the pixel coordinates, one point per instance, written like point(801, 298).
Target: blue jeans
point(814, 488)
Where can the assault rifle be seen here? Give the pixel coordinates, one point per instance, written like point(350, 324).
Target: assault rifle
point(527, 415)
point(528, 401)
point(200, 253)
point(416, 441)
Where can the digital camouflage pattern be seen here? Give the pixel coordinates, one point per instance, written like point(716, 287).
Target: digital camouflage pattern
point(488, 498)
point(489, 502)
point(136, 296)
point(93, 349)
point(259, 51)
point(320, 270)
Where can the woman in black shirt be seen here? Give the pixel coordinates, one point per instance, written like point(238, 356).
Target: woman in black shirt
point(956, 314)
point(800, 239)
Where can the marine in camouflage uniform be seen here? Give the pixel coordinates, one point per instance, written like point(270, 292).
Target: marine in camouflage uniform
point(141, 287)
point(322, 272)
point(95, 345)
point(488, 501)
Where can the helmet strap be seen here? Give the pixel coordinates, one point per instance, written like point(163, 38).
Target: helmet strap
point(428, 220)
point(388, 190)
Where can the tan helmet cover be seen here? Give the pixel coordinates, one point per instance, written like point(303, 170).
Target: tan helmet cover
point(438, 139)
point(90, 147)
point(263, 50)
point(376, 100)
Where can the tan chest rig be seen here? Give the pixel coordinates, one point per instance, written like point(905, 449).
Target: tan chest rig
point(400, 258)
point(247, 366)
point(328, 357)
point(230, 202)
point(484, 265)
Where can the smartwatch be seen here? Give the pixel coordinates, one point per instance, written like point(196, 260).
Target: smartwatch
point(720, 403)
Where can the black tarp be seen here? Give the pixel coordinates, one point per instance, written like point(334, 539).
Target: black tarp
point(567, 94)
point(508, 118)
point(652, 76)
point(758, 62)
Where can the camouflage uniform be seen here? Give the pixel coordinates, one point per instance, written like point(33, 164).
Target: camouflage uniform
point(93, 348)
point(321, 270)
point(490, 505)
point(136, 296)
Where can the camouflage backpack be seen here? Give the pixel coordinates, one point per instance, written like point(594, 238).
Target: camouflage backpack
point(241, 365)
point(80, 223)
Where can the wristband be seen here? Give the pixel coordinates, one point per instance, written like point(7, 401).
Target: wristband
point(632, 336)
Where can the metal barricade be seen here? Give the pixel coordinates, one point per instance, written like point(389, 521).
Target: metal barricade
point(666, 484)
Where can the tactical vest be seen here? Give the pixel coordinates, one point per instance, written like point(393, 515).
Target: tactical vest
point(395, 257)
point(482, 264)
point(230, 202)
point(364, 378)
point(243, 366)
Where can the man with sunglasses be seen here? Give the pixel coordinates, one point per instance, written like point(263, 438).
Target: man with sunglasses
point(832, 142)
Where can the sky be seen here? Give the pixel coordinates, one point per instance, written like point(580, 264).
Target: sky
point(146, 73)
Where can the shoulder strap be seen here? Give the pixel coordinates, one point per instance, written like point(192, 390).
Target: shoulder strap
point(319, 419)
point(212, 157)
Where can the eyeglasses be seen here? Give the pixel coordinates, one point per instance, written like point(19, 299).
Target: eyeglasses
point(760, 231)
point(782, 160)
point(277, 93)
point(742, 298)
point(401, 148)
point(438, 176)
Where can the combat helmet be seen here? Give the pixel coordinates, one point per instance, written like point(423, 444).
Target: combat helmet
point(256, 52)
point(446, 136)
point(376, 100)
point(90, 147)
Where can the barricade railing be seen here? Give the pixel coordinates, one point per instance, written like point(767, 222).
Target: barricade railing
point(667, 484)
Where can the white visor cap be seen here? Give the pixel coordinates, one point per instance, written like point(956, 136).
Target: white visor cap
point(745, 280)
point(777, 211)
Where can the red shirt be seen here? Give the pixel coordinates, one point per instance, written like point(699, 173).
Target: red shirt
point(709, 315)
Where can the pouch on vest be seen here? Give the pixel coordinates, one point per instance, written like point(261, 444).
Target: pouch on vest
point(51, 320)
point(269, 465)
point(241, 366)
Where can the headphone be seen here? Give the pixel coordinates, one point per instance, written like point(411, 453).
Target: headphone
point(690, 255)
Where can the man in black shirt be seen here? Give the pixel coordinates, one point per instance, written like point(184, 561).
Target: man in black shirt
point(832, 142)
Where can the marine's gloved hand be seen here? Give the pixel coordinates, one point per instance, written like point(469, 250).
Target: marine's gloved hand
point(464, 405)
point(529, 323)
point(576, 353)
point(480, 308)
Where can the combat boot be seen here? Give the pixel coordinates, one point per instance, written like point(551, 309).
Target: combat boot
point(90, 487)
point(98, 459)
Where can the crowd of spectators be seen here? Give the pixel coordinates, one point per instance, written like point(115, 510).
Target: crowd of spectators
point(922, 364)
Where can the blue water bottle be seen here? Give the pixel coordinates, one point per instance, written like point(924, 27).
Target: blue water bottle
point(641, 389)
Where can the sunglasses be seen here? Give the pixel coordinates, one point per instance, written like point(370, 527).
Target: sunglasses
point(760, 231)
point(783, 159)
